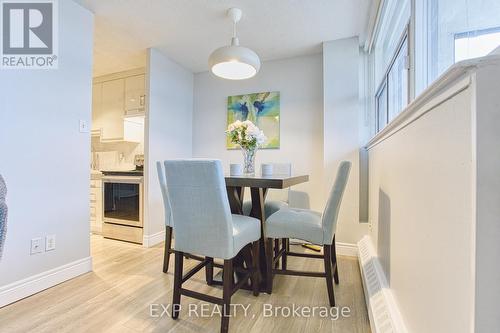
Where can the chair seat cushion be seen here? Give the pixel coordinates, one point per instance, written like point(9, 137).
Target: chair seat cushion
point(295, 223)
point(270, 207)
point(245, 230)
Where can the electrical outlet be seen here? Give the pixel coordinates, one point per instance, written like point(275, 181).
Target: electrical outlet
point(36, 245)
point(50, 242)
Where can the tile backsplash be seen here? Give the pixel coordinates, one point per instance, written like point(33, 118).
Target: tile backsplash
point(114, 155)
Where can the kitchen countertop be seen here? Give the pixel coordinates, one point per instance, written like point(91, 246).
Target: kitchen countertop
point(123, 173)
point(95, 174)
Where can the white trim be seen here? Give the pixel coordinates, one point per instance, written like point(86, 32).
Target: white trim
point(382, 308)
point(20, 289)
point(346, 249)
point(152, 240)
point(373, 19)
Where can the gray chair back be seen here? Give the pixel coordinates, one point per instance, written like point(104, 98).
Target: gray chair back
point(164, 193)
point(331, 213)
point(282, 168)
point(200, 207)
point(280, 195)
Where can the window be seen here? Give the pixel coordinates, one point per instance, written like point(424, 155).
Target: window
point(392, 96)
point(381, 100)
point(448, 31)
point(441, 33)
point(389, 60)
point(393, 24)
point(474, 44)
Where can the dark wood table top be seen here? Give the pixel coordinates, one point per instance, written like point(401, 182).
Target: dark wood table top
point(273, 181)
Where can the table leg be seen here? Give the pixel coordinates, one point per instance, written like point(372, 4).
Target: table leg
point(235, 196)
point(258, 199)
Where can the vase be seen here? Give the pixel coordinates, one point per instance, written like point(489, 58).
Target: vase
point(249, 160)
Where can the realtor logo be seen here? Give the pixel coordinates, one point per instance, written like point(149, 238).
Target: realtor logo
point(29, 34)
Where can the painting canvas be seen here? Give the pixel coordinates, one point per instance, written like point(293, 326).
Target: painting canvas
point(263, 109)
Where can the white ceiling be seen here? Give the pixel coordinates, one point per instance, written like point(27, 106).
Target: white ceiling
point(189, 30)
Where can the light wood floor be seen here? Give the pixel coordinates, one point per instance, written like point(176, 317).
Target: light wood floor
point(127, 278)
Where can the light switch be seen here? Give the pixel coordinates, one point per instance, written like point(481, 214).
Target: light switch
point(84, 126)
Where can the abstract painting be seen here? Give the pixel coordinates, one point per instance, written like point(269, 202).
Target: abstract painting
point(263, 109)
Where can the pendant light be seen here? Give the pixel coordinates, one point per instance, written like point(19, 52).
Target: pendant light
point(234, 62)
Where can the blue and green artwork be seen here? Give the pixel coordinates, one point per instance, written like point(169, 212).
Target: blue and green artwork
point(263, 109)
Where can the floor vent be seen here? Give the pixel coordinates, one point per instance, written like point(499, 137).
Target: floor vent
point(382, 309)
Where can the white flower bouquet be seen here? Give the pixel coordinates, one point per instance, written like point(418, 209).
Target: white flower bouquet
point(246, 134)
point(249, 137)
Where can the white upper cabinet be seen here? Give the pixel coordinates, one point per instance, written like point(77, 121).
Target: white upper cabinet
point(135, 97)
point(97, 107)
point(113, 109)
point(117, 107)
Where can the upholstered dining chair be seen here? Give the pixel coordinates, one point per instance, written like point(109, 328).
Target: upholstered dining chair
point(310, 226)
point(169, 226)
point(204, 225)
point(168, 216)
point(280, 197)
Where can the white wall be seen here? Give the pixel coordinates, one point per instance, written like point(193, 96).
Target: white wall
point(434, 193)
point(168, 131)
point(45, 160)
point(342, 130)
point(299, 81)
point(420, 205)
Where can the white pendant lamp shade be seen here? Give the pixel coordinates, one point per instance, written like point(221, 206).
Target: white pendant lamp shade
point(234, 62)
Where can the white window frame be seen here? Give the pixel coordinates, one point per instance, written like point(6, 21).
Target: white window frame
point(405, 37)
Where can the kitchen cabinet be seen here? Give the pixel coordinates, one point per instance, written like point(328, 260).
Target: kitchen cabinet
point(96, 204)
point(113, 109)
point(96, 106)
point(118, 104)
point(135, 97)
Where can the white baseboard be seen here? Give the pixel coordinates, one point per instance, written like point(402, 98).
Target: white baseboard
point(382, 309)
point(20, 289)
point(347, 249)
point(152, 240)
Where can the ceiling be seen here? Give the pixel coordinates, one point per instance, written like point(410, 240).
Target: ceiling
point(189, 30)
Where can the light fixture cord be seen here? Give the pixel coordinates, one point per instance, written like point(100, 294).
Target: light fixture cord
point(234, 40)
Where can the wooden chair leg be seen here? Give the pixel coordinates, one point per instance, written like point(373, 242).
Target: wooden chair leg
point(176, 301)
point(328, 273)
point(285, 247)
point(255, 274)
point(209, 271)
point(269, 265)
point(335, 263)
point(227, 289)
point(168, 247)
point(276, 251)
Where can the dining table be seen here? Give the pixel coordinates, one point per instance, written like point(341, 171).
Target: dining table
point(259, 186)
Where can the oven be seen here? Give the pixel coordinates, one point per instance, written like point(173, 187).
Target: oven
point(122, 200)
